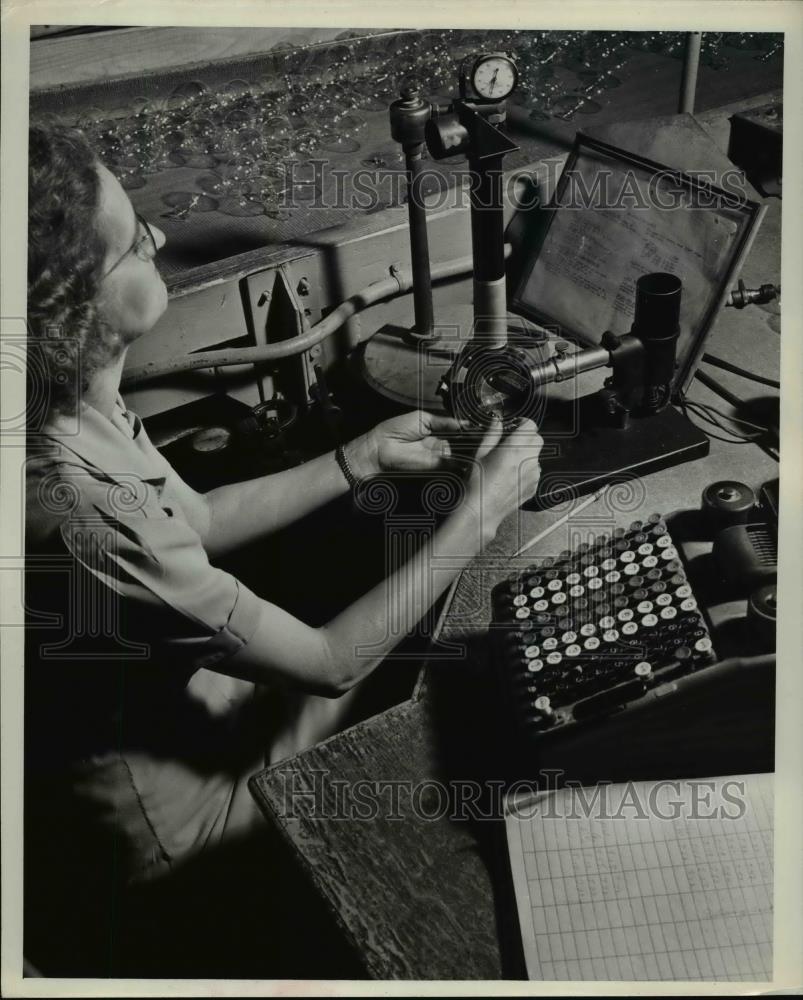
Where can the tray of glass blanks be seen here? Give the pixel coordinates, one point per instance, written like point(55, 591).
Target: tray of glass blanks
point(585, 633)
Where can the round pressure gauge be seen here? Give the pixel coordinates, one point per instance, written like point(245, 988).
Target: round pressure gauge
point(494, 76)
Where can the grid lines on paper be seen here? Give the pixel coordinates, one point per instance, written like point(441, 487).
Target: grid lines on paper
point(650, 898)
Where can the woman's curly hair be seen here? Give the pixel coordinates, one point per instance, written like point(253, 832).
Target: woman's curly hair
point(67, 340)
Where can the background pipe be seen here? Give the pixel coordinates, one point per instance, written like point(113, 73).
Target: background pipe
point(691, 63)
point(400, 283)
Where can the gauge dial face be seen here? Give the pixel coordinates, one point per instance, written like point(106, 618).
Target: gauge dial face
point(493, 77)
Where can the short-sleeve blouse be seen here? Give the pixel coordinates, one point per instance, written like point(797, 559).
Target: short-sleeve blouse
point(126, 616)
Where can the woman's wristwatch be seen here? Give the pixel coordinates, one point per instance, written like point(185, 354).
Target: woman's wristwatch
point(345, 468)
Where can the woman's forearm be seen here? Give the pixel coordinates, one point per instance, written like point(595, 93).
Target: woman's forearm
point(331, 659)
point(360, 637)
point(240, 513)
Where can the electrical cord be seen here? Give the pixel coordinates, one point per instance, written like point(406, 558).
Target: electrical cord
point(764, 441)
point(687, 409)
point(706, 412)
point(728, 416)
point(710, 416)
point(728, 366)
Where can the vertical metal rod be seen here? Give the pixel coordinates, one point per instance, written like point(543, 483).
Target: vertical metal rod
point(691, 63)
point(488, 244)
point(419, 244)
point(487, 218)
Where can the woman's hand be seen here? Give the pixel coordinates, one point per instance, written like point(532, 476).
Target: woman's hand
point(501, 475)
point(505, 473)
point(413, 442)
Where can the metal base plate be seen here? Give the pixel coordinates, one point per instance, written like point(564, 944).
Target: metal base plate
point(583, 452)
point(408, 373)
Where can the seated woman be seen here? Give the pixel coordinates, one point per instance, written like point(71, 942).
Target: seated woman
point(152, 705)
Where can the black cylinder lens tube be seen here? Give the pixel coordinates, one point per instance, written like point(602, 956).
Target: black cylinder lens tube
point(657, 325)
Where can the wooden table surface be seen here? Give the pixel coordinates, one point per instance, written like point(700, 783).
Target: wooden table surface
point(431, 898)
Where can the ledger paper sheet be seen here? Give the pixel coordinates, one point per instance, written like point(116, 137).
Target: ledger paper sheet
point(649, 881)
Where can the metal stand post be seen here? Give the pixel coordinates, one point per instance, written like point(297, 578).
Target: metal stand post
point(691, 63)
point(408, 116)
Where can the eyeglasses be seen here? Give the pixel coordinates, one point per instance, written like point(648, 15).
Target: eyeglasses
point(143, 247)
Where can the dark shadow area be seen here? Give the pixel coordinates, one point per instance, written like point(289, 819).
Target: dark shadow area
point(471, 739)
point(690, 526)
point(226, 244)
point(245, 911)
point(739, 636)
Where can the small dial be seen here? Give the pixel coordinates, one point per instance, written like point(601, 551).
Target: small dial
point(494, 77)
